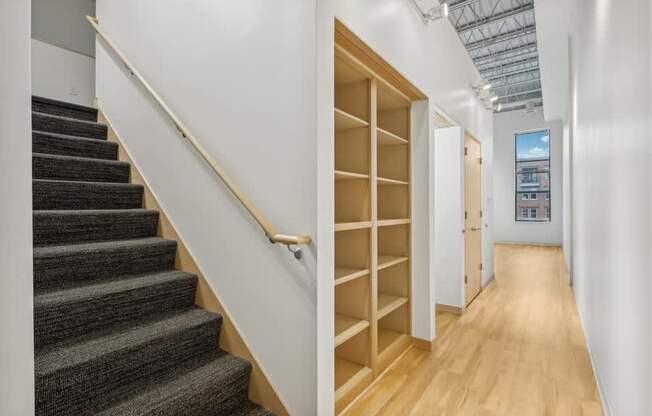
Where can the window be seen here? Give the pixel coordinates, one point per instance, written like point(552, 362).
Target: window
point(532, 176)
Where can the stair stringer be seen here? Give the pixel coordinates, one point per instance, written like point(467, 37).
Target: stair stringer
point(261, 390)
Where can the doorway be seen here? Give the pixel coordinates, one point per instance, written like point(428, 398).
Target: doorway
point(472, 218)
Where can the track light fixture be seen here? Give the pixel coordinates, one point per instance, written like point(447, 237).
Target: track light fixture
point(431, 13)
point(437, 12)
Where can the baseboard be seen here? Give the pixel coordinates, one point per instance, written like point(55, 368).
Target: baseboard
point(261, 390)
point(423, 344)
point(457, 310)
point(488, 282)
point(530, 244)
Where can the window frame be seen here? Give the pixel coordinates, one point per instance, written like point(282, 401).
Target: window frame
point(547, 172)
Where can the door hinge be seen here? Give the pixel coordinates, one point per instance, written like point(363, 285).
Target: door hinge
point(466, 279)
point(466, 215)
point(480, 160)
point(480, 213)
point(466, 151)
point(480, 266)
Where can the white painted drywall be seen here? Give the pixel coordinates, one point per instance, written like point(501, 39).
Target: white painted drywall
point(241, 75)
point(612, 195)
point(62, 75)
point(506, 229)
point(16, 296)
point(422, 209)
point(552, 21)
point(63, 23)
point(449, 216)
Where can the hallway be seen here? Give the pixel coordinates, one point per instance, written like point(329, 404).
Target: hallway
point(518, 350)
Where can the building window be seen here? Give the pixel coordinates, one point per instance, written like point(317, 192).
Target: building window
point(532, 176)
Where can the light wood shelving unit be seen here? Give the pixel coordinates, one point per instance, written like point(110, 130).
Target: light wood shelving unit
point(372, 226)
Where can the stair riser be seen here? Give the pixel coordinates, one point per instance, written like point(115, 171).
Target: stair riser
point(64, 111)
point(53, 323)
point(71, 195)
point(68, 169)
point(69, 391)
point(51, 271)
point(54, 228)
point(53, 145)
point(70, 127)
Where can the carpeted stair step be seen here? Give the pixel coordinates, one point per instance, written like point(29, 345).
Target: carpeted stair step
point(73, 168)
point(215, 384)
point(59, 108)
point(70, 126)
point(64, 145)
point(59, 266)
point(69, 313)
point(49, 194)
point(56, 227)
point(72, 375)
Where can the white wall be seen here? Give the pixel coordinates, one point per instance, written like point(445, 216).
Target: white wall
point(16, 303)
point(433, 59)
point(506, 229)
point(448, 248)
point(63, 23)
point(612, 195)
point(242, 77)
point(62, 75)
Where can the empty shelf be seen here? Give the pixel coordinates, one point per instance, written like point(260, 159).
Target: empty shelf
point(343, 175)
point(345, 274)
point(349, 375)
point(387, 181)
point(346, 226)
point(347, 327)
point(386, 138)
point(388, 261)
point(346, 121)
point(388, 303)
point(398, 221)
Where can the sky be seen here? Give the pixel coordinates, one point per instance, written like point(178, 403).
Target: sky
point(533, 145)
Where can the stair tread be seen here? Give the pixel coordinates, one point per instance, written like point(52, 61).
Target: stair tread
point(52, 251)
point(98, 289)
point(81, 159)
point(182, 389)
point(79, 169)
point(71, 354)
point(65, 104)
point(106, 184)
point(63, 118)
point(72, 137)
point(79, 309)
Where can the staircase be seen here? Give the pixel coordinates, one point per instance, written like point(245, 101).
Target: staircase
point(116, 331)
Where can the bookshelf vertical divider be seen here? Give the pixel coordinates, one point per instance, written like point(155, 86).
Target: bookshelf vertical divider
point(372, 226)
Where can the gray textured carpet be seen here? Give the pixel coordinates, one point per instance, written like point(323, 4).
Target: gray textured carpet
point(116, 331)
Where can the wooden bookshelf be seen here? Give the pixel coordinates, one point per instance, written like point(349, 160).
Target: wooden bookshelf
point(372, 226)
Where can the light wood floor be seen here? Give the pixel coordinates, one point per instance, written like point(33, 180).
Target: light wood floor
point(518, 350)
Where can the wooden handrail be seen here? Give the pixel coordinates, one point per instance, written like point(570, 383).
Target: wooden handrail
point(267, 227)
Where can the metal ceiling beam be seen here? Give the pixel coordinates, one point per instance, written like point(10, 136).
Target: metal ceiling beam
point(513, 84)
point(517, 105)
point(509, 74)
point(518, 98)
point(523, 31)
point(524, 49)
point(460, 4)
point(496, 18)
point(516, 94)
point(526, 61)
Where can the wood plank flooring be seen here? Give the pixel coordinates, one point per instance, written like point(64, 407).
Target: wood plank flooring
point(518, 350)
